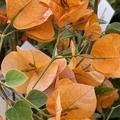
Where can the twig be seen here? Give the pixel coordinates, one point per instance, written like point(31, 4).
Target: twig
point(8, 100)
point(112, 110)
point(43, 72)
point(27, 101)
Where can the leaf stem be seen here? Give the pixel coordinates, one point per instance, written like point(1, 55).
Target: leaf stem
point(27, 101)
point(43, 72)
point(112, 110)
point(8, 100)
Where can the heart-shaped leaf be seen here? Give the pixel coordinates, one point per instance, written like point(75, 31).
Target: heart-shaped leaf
point(20, 111)
point(15, 78)
point(36, 97)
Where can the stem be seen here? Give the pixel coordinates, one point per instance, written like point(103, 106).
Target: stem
point(27, 101)
point(3, 36)
point(36, 116)
point(112, 110)
point(96, 6)
point(55, 48)
point(8, 26)
point(32, 105)
point(8, 100)
point(43, 72)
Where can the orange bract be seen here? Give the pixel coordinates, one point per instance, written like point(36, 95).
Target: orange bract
point(80, 24)
point(67, 73)
point(84, 72)
point(1, 117)
point(68, 11)
point(46, 80)
point(30, 61)
point(77, 100)
point(34, 14)
point(89, 78)
point(89, 23)
point(43, 32)
point(107, 48)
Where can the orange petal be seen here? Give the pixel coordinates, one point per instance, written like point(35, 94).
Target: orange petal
point(58, 107)
point(62, 63)
point(72, 47)
point(62, 82)
point(47, 79)
point(78, 99)
point(34, 56)
point(39, 33)
point(72, 16)
point(15, 61)
point(35, 13)
point(67, 73)
point(1, 117)
point(92, 32)
point(92, 78)
point(69, 11)
point(63, 44)
point(106, 47)
point(80, 24)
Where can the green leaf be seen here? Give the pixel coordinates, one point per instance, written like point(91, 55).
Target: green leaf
point(15, 78)
point(79, 37)
point(36, 97)
point(20, 111)
point(67, 34)
point(103, 90)
point(113, 28)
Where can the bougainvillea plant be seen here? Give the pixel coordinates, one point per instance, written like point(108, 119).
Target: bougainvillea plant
point(70, 73)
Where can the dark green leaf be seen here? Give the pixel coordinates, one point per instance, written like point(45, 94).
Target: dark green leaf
point(20, 111)
point(113, 28)
point(38, 98)
point(103, 90)
point(15, 78)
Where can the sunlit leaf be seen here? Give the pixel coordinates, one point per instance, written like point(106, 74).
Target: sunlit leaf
point(15, 78)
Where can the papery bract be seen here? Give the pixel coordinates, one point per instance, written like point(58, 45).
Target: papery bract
point(76, 98)
point(106, 49)
point(68, 11)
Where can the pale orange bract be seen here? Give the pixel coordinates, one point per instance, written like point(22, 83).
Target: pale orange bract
point(78, 101)
point(84, 72)
point(106, 49)
point(67, 73)
point(32, 62)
